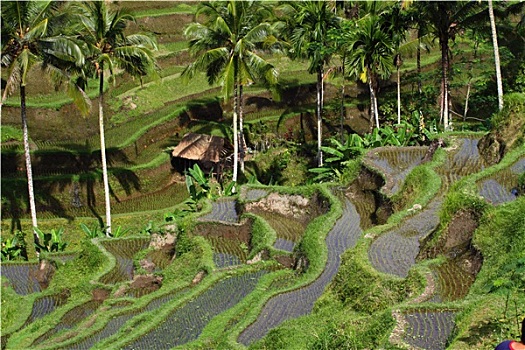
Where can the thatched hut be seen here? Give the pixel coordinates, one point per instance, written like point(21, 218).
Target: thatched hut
point(209, 152)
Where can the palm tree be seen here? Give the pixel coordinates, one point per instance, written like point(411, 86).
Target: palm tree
point(225, 47)
point(446, 19)
point(340, 37)
point(31, 35)
point(102, 30)
point(308, 25)
point(371, 54)
point(396, 24)
point(496, 55)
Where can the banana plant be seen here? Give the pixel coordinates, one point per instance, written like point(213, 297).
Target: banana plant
point(196, 177)
point(92, 232)
point(11, 249)
point(119, 232)
point(50, 242)
point(337, 157)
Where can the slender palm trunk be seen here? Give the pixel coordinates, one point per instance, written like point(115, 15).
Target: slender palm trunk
point(242, 151)
point(103, 150)
point(342, 102)
point(373, 101)
point(235, 136)
point(418, 63)
point(376, 109)
point(372, 113)
point(496, 55)
point(398, 64)
point(445, 64)
point(319, 117)
point(29, 167)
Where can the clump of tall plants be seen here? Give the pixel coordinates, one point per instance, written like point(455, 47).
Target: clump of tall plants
point(51, 241)
point(13, 248)
point(340, 155)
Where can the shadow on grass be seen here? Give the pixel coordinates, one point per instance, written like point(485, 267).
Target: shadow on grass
point(57, 171)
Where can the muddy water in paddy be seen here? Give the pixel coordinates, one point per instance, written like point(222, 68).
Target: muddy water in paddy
point(282, 307)
point(70, 320)
point(187, 322)
point(395, 163)
point(123, 250)
point(497, 188)
point(288, 215)
point(230, 242)
point(118, 320)
point(22, 277)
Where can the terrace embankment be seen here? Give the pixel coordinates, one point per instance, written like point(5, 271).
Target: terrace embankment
point(373, 207)
point(455, 243)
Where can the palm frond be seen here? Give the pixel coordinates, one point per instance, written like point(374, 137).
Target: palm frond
point(26, 60)
point(63, 48)
point(79, 96)
point(228, 78)
point(12, 81)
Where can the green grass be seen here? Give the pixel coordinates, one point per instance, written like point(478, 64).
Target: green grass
point(175, 9)
point(10, 133)
point(53, 100)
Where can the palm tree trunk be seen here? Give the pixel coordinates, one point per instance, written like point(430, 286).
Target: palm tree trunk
point(372, 113)
point(235, 135)
point(418, 63)
point(105, 179)
point(319, 118)
point(398, 64)
point(376, 109)
point(445, 64)
point(242, 151)
point(496, 55)
point(342, 101)
point(29, 168)
point(373, 101)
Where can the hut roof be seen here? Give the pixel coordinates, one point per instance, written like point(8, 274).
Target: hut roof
point(199, 147)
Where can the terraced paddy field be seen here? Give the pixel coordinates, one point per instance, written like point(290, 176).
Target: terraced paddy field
point(393, 252)
point(395, 164)
point(230, 281)
point(429, 329)
point(502, 186)
point(300, 302)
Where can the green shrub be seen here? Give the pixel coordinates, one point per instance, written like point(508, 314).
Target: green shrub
point(184, 243)
point(13, 248)
point(521, 184)
point(92, 232)
point(514, 103)
point(500, 238)
point(263, 235)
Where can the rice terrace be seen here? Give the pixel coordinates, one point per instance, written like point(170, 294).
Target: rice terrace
point(262, 174)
